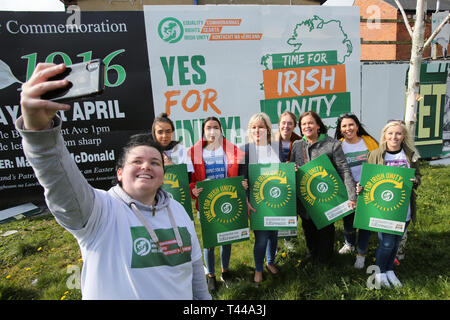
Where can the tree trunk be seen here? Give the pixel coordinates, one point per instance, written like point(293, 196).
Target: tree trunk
point(414, 67)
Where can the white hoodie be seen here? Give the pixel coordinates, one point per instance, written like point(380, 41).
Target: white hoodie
point(120, 261)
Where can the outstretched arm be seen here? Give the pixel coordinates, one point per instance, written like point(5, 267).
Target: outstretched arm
point(69, 197)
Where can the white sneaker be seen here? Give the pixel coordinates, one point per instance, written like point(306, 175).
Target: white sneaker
point(382, 280)
point(393, 279)
point(346, 249)
point(359, 263)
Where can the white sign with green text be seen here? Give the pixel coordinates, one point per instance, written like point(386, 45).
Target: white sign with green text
point(232, 61)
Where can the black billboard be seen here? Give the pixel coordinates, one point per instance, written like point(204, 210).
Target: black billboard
point(94, 129)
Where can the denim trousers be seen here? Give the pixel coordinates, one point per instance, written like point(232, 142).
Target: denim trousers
point(387, 250)
point(209, 258)
point(350, 235)
point(266, 242)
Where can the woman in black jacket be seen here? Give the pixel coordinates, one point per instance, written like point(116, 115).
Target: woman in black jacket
point(314, 143)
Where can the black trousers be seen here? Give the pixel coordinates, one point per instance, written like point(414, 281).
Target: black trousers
point(320, 243)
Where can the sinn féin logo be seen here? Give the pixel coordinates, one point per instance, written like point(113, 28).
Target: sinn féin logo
point(387, 195)
point(270, 187)
point(226, 207)
point(318, 185)
point(142, 246)
point(275, 192)
point(385, 191)
point(322, 187)
point(223, 205)
point(170, 30)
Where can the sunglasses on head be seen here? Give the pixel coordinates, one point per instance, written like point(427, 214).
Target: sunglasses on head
point(347, 114)
point(394, 120)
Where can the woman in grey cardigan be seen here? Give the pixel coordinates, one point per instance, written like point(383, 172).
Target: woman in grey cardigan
point(313, 144)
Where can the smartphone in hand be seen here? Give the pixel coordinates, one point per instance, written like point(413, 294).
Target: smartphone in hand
point(86, 79)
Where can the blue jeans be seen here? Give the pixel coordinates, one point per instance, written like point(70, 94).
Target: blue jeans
point(350, 235)
point(363, 241)
point(225, 254)
point(387, 250)
point(266, 242)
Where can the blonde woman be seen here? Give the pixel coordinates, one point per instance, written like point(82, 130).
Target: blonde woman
point(261, 149)
point(396, 149)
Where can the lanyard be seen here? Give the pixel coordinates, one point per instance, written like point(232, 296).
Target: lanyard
point(150, 230)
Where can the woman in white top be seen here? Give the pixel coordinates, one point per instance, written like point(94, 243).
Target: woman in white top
point(173, 151)
point(261, 149)
point(397, 150)
point(356, 144)
point(214, 157)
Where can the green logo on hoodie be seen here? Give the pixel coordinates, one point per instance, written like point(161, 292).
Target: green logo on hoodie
point(147, 254)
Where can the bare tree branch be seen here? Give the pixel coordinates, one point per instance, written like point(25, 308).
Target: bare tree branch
point(405, 19)
point(436, 31)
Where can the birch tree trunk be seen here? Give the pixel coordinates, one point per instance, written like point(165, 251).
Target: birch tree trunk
point(417, 48)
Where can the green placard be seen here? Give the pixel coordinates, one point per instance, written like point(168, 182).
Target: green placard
point(383, 204)
point(322, 192)
point(223, 211)
point(272, 194)
point(176, 182)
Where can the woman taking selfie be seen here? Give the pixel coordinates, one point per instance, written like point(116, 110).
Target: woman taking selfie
point(121, 232)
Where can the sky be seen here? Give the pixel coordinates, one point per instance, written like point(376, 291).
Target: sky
point(31, 5)
point(339, 3)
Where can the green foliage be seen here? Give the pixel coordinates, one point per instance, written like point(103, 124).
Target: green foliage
point(34, 262)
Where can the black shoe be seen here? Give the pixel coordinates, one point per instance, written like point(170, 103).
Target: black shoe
point(226, 278)
point(212, 285)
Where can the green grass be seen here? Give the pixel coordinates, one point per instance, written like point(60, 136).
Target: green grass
point(35, 262)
